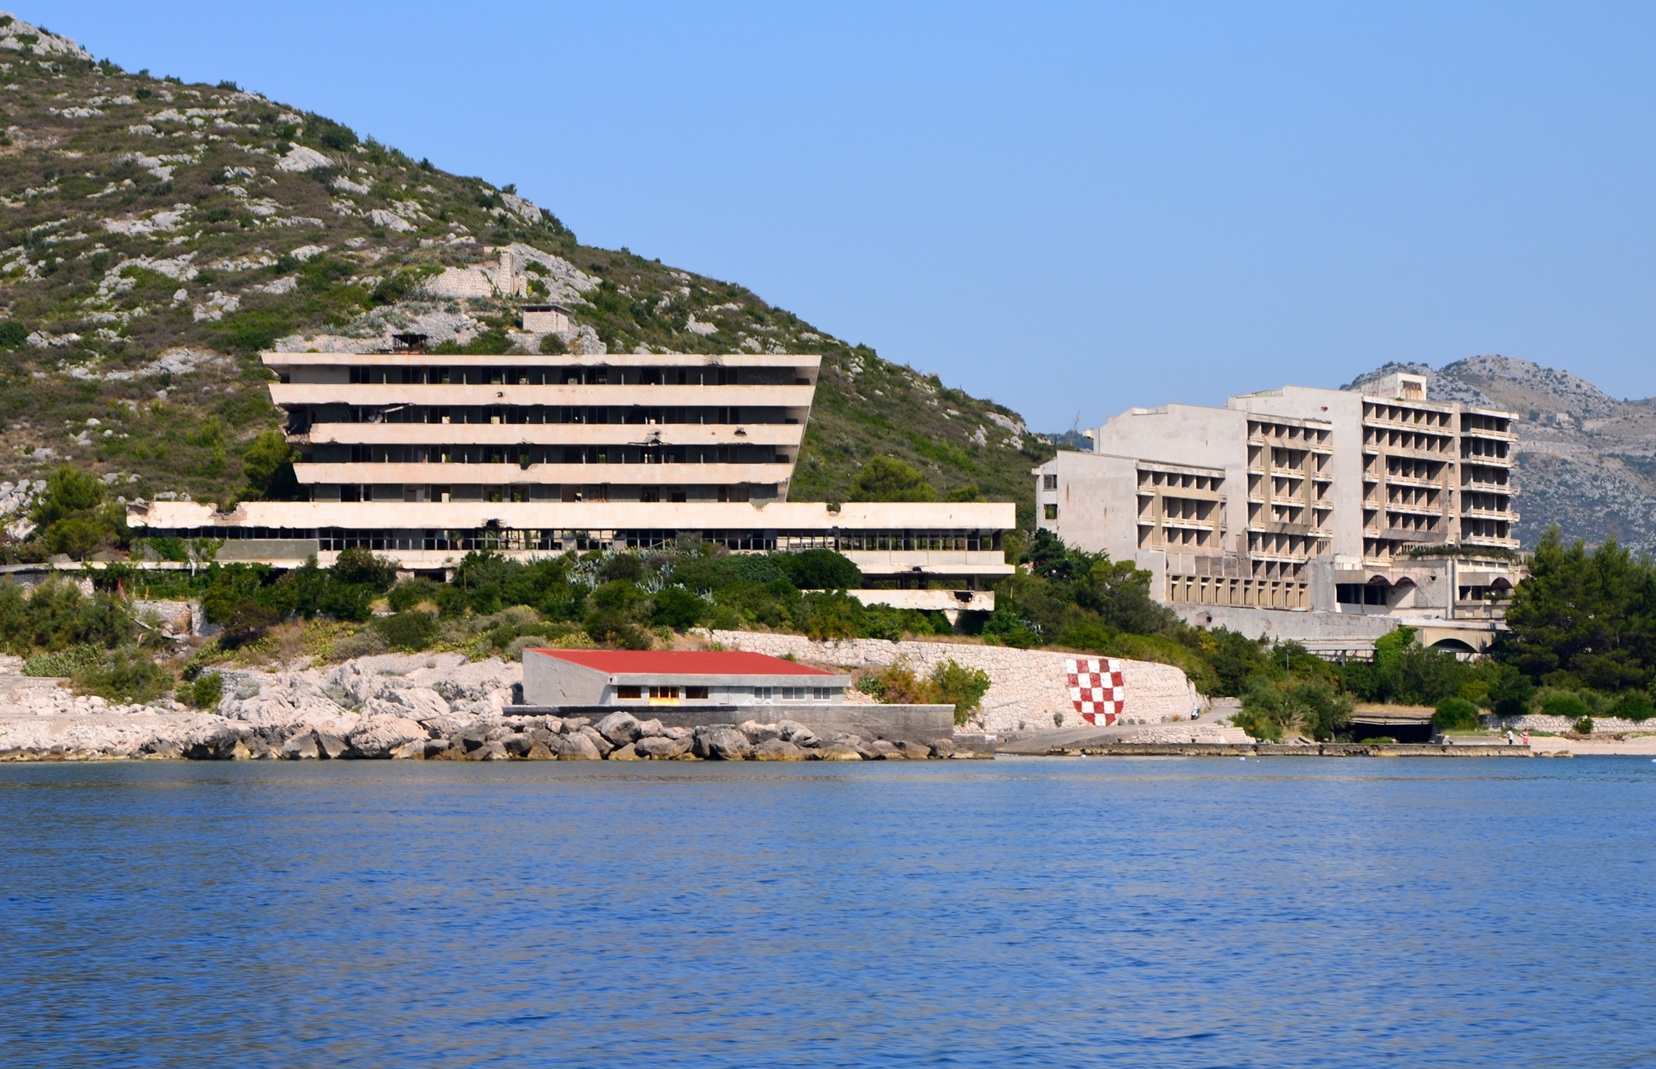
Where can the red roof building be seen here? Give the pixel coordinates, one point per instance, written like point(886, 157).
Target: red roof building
point(626, 678)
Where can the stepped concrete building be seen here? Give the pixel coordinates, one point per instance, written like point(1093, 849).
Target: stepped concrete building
point(424, 457)
point(1353, 510)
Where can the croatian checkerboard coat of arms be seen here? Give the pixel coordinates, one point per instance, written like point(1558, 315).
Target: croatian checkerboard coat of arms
point(1096, 689)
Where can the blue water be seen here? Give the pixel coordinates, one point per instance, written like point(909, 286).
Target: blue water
point(1290, 912)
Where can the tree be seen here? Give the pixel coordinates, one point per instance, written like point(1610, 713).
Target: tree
point(1583, 618)
point(268, 465)
point(888, 479)
point(69, 492)
point(821, 569)
point(73, 515)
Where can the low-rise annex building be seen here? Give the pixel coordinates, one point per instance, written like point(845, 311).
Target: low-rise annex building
point(424, 457)
point(639, 680)
point(1324, 516)
point(695, 688)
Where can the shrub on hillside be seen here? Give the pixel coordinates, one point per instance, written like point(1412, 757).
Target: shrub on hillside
point(126, 676)
point(366, 643)
point(206, 691)
point(62, 664)
point(950, 683)
point(407, 632)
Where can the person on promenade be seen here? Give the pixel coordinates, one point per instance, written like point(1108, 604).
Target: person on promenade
point(1510, 739)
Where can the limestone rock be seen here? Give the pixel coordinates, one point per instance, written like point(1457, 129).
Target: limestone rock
point(331, 746)
point(599, 743)
point(578, 746)
point(301, 748)
point(943, 748)
point(914, 751)
point(382, 733)
point(777, 750)
point(623, 753)
point(795, 732)
point(757, 733)
point(620, 728)
point(661, 748)
point(648, 729)
point(721, 744)
point(885, 751)
point(839, 751)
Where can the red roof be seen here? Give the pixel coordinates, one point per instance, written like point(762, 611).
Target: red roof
point(682, 662)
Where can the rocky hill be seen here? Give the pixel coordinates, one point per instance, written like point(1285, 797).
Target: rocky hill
point(1586, 461)
point(154, 236)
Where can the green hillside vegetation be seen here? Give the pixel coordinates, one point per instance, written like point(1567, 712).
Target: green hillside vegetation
point(155, 237)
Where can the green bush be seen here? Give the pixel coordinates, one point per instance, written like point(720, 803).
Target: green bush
point(126, 676)
point(678, 609)
point(366, 643)
point(961, 687)
point(820, 569)
point(888, 479)
point(1455, 714)
point(1311, 703)
point(207, 690)
point(412, 593)
point(64, 663)
point(408, 632)
point(1564, 703)
point(950, 683)
point(13, 335)
point(552, 345)
point(1584, 726)
point(1635, 705)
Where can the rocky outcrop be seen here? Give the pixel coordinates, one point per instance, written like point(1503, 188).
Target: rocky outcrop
point(407, 707)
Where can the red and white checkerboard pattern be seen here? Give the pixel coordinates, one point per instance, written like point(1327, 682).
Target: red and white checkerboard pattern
point(1096, 689)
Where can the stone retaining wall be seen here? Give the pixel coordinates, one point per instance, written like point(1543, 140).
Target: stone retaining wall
point(1026, 687)
point(1560, 725)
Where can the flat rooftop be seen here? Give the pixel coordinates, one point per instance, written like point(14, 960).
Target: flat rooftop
point(682, 662)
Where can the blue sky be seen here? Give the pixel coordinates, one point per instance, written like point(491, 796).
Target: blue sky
point(1072, 209)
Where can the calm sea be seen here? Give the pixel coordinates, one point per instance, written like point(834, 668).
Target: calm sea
point(1032, 912)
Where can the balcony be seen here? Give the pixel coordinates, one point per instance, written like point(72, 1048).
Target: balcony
point(294, 394)
point(395, 474)
point(574, 434)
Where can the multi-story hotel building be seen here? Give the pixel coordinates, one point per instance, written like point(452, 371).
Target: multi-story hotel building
point(1379, 502)
point(424, 457)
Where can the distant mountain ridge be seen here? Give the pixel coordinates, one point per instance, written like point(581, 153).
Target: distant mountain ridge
point(155, 235)
point(1586, 461)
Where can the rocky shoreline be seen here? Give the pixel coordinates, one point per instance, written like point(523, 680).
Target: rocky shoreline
point(399, 707)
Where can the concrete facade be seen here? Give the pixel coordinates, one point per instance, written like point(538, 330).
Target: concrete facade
point(1380, 502)
point(424, 457)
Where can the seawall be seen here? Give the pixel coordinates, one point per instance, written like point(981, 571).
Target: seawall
point(1027, 688)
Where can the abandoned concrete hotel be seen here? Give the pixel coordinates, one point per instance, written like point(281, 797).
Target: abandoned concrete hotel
point(424, 457)
point(1323, 516)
